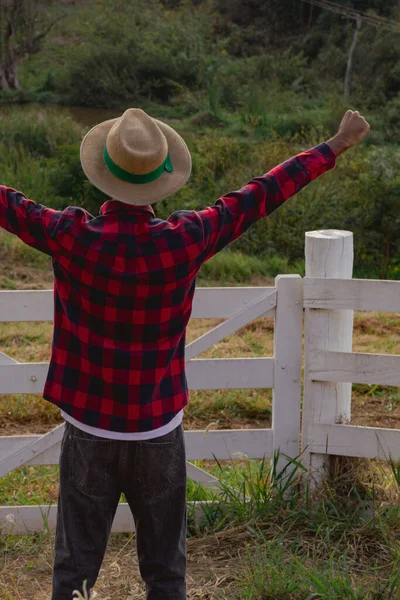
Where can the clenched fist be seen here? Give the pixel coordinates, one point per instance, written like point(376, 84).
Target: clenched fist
point(352, 129)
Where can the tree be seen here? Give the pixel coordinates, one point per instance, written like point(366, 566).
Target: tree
point(347, 78)
point(23, 26)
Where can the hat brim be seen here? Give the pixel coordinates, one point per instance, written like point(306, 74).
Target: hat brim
point(95, 169)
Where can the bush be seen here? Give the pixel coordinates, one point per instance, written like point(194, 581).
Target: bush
point(106, 77)
point(237, 267)
point(39, 132)
point(21, 171)
point(390, 119)
point(116, 76)
point(58, 181)
point(137, 51)
point(69, 183)
point(15, 97)
point(233, 266)
point(363, 196)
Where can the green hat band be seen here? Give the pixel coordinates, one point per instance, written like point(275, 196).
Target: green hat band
point(131, 177)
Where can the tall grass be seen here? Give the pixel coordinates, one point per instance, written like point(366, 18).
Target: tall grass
point(278, 571)
point(38, 132)
point(12, 250)
point(327, 549)
point(238, 267)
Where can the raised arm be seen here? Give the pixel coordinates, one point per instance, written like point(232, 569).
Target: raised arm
point(33, 223)
point(235, 212)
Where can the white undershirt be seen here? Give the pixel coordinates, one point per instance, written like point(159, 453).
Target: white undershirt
point(116, 435)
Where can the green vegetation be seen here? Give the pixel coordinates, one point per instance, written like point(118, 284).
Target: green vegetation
point(41, 157)
point(213, 55)
point(248, 84)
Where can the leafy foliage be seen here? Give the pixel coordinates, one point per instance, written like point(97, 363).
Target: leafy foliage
point(212, 52)
point(41, 157)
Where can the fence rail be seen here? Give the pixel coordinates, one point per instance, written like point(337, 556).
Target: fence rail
point(200, 445)
point(209, 303)
point(356, 294)
point(355, 367)
point(356, 441)
point(202, 374)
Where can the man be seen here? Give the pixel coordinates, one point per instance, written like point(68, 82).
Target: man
point(124, 285)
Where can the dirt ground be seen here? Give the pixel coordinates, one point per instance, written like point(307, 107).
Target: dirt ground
point(211, 569)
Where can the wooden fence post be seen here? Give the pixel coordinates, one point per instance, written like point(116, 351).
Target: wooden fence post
point(287, 374)
point(329, 253)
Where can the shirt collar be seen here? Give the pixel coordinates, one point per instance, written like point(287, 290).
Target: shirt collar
point(117, 206)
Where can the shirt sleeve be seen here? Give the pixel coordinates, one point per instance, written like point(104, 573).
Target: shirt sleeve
point(233, 214)
point(33, 223)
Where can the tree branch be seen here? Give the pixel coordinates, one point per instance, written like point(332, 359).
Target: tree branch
point(31, 48)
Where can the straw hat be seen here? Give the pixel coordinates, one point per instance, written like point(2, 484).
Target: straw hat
point(135, 159)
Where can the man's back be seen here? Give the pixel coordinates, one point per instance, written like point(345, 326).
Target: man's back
point(124, 284)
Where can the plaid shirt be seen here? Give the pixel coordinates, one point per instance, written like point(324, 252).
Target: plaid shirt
point(123, 291)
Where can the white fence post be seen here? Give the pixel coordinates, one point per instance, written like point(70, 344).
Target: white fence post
point(287, 377)
point(328, 254)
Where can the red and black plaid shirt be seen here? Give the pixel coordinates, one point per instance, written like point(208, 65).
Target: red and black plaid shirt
point(123, 290)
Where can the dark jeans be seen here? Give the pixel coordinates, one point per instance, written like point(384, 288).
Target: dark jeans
point(93, 473)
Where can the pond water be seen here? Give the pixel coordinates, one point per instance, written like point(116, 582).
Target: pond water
point(89, 117)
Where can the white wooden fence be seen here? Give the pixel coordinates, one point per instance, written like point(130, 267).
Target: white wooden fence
point(329, 297)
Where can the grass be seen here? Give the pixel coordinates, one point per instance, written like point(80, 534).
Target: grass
point(238, 267)
point(274, 572)
point(335, 548)
point(40, 133)
point(22, 267)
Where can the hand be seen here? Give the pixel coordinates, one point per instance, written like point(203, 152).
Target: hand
point(352, 129)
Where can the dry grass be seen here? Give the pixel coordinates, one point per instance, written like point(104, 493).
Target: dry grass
point(376, 405)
